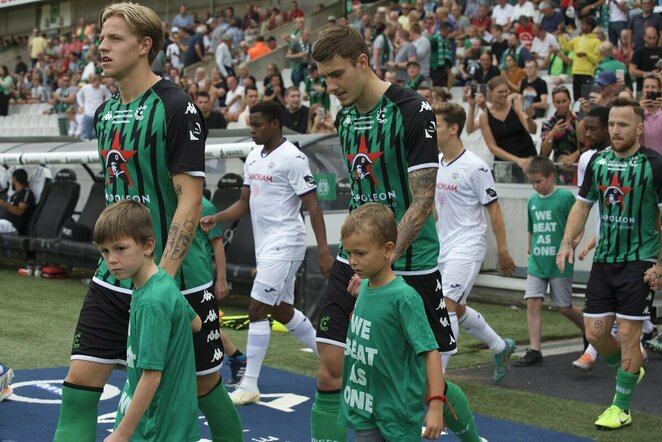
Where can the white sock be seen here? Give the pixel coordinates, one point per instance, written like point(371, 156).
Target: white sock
point(648, 326)
point(445, 358)
point(303, 330)
point(591, 351)
point(474, 324)
point(256, 349)
point(454, 325)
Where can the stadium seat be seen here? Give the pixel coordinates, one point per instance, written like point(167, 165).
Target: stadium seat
point(240, 254)
point(227, 192)
point(55, 207)
point(74, 248)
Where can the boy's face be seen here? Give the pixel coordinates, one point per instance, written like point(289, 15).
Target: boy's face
point(366, 257)
point(126, 258)
point(544, 185)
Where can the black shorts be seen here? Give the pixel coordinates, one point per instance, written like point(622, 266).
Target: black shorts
point(619, 289)
point(103, 323)
point(339, 304)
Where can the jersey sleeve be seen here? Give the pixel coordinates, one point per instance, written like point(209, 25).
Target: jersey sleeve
point(299, 176)
point(482, 183)
point(415, 324)
point(186, 135)
point(152, 335)
point(656, 164)
point(420, 129)
point(588, 192)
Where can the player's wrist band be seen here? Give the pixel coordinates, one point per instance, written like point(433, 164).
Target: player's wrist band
point(436, 397)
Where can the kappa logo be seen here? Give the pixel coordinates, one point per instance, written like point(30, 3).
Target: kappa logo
point(107, 116)
point(348, 120)
point(190, 109)
point(613, 194)
point(362, 161)
point(218, 355)
point(115, 160)
point(442, 304)
point(139, 114)
point(425, 106)
point(213, 335)
point(211, 316)
point(206, 296)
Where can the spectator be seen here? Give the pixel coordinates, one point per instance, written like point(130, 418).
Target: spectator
point(618, 19)
point(37, 45)
point(38, 92)
point(74, 129)
point(506, 128)
point(6, 83)
point(251, 98)
point(482, 21)
point(213, 119)
point(63, 99)
point(471, 64)
point(244, 76)
point(525, 32)
point(272, 43)
point(234, 30)
point(422, 45)
point(315, 88)
point(320, 121)
point(224, 60)
point(299, 56)
point(415, 77)
point(406, 52)
point(534, 90)
point(542, 44)
point(499, 44)
point(502, 14)
point(560, 135)
point(295, 115)
point(640, 22)
point(520, 53)
point(609, 63)
point(403, 19)
point(89, 98)
point(441, 56)
point(651, 101)
point(383, 50)
point(551, 19)
point(275, 91)
point(173, 53)
point(425, 91)
point(295, 12)
point(272, 69)
point(233, 98)
point(487, 70)
point(18, 209)
point(513, 75)
point(183, 19)
point(624, 51)
point(648, 59)
point(194, 47)
point(586, 55)
point(20, 67)
point(251, 17)
point(259, 48)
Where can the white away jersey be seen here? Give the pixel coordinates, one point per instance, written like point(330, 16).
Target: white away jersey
point(464, 187)
point(277, 182)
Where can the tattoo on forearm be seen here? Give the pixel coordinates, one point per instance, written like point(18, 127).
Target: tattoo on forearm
point(179, 240)
point(422, 184)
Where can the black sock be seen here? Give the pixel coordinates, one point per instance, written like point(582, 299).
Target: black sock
point(236, 354)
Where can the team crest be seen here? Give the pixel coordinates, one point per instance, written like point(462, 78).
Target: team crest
point(361, 162)
point(381, 116)
point(614, 193)
point(115, 159)
point(139, 114)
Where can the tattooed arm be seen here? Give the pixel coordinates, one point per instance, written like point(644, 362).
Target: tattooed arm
point(184, 222)
point(422, 184)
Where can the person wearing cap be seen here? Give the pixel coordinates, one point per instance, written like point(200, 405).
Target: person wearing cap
point(647, 59)
point(550, 18)
point(609, 88)
point(15, 213)
point(414, 73)
point(586, 54)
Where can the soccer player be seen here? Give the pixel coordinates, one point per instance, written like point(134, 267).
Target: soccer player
point(465, 188)
point(151, 146)
point(388, 139)
point(626, 182)
point(277, 180)
point(160, 363)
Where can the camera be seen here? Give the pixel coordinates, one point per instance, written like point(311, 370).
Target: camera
point(653, 95)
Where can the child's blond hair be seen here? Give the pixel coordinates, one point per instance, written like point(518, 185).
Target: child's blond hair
point(372, 219)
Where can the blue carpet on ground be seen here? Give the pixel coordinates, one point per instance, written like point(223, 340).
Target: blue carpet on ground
point(31, 414)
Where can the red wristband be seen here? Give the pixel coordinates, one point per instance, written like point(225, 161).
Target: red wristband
point(439, 397)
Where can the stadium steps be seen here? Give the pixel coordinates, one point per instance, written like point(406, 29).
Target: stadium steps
point(29, 120)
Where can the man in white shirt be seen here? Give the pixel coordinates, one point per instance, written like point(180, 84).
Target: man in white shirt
point(224, 60)
point(502, 14)
point(89, 98)
point(523, 7)
point(465, 188)
point(542, 43)
point(172, 51)
point(233, 98)
point(277, 180)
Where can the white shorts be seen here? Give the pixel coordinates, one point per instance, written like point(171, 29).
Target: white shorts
point(274, 282)
point(458, 277)
point(560, 289)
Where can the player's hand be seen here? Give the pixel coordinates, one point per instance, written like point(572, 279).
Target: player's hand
point(326, 262)
point(221, 289)
point(207, 223)
point(566, 252)
point(354, 286)
point(116, 437)
point(506, 263)
point(653, 277)
point(583, 253)
point(434, 421)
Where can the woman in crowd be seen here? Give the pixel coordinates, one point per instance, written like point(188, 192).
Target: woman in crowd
point(513, 75)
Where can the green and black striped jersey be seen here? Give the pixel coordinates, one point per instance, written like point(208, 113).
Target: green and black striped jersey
point(381, 148)
point(142, 145)
point(629, 196)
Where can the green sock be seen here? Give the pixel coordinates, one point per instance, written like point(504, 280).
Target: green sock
point(324, 418)
point(625, 383)
point(78, 414)
point(464, 426)
point(222, 417)
point(613, 360)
